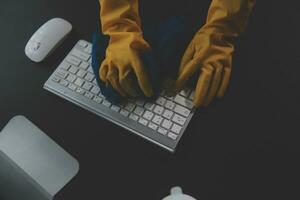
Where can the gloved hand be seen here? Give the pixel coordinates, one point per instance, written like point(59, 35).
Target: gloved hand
point(122, 66)
point(210, 51)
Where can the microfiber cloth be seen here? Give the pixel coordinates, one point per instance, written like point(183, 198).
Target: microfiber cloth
point(168, 41)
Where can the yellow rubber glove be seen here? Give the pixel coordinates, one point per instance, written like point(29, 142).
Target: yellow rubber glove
point(210, 51)
point(121, 22)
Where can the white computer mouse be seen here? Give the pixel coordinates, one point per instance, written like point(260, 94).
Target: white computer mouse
point(47, 38)
point(176, 194)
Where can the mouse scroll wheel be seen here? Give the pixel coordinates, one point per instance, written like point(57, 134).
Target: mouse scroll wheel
point(36, 46)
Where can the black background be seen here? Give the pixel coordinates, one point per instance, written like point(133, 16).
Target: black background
point(243, 147)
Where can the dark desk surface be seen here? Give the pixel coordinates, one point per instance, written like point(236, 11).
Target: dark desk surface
point(241, 147)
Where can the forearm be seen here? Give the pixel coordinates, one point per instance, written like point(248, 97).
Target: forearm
point(119, 16)
point(228, 17)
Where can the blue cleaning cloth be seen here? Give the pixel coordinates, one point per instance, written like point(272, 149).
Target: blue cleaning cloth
point(100, 42)
point(168, 40)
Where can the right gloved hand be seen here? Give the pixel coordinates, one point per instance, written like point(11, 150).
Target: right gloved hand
point(122, 66)
point(209, 55)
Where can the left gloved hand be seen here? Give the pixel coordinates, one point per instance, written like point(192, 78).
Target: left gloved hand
point(210, 51)
point(123, 68)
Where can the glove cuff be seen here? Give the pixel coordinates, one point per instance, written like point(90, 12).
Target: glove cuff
point(130, 40)
point(228, 17)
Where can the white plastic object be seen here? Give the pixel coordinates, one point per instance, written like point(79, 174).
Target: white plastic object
point(176, 194)
point(32, 165)
point(47, 38)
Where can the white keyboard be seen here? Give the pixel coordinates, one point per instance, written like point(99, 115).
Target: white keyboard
point(162, 122)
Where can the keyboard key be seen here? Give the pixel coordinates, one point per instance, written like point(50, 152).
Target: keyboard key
point(162, 92)
point(168, 114)
point(61, 73)
point(158, 109)
point(192, 95)
point(172, 136)
point(89, 95)
point(178, 119)
point(72, 86)
point(140, 102)
point(169, 94)
point(83, 43)
point(87, 86)
point(79, 82)
point(183, 101)
point(185, 92)
point(182, 110)
point(101, 95)
point(121, 104)
point(148, 115)
point(90, 69)
point(80, 91)
point(73, 69)
point(90, 61)
point(162, 131)
point(143, 121)
point(63, 83)
point(95, 90)
point(139, 111)
point(89, 77)
point(130, 106)
point(80, 54)
point(133, 117)
point(55, 79)
point(176, 128)
point(65, 66)
point(71, 78)
point(95, 82)
point(157, 119)
point(169, 104)
point(166, 124)
point(81, 73)
point(152, 126)
point(149, 106)
point(124, 112)
point(115, 108)
point(106, 103)
point(84, 65)
point(161, 101)
point(97, 99)
point(73, 60)
point(88, 49)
